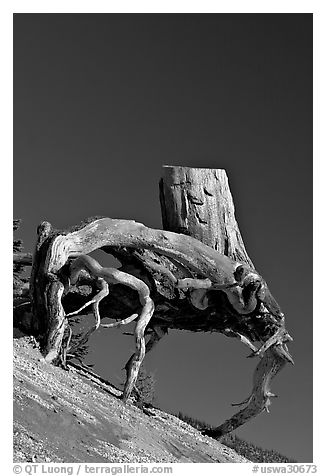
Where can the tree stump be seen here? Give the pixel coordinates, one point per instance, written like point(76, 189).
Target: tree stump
point(193, 275)
point(198, 202)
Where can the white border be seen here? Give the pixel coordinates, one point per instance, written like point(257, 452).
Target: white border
point(95, 6)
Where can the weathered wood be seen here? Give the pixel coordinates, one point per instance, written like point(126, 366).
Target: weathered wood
point(193, 285)
point(260, 398)
point(39, 282)
point(198, 202)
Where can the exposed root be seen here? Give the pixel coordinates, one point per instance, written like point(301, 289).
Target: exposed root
point(115, 276)
point(245, 290)
point(155, 336)
point(138, 356)
point(193, 283)
point(280, 336)
point(230, 333)
point(283, 351)
point(65, 344)
point(197, 287)
point(95, 301)
point(259, 399)
point(95, 305)
point(246, 400)
point(122, 322)
point(165, 271)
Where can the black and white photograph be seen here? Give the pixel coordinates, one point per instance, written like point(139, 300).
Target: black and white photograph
point(162, 240)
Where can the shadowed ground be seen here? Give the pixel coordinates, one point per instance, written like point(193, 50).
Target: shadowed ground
point(67, 416)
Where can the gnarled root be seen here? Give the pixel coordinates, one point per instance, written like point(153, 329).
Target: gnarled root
point(241, 294)
point(260, 398)
point(115, 276)
point(104, 291)
point(197, 287)
point(278, 338)
point(231, 333)
point(156, 335)
point(138, 356)
point(123, 322)
point(193, 283)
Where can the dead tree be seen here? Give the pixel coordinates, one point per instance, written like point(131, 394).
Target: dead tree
point(193, 275)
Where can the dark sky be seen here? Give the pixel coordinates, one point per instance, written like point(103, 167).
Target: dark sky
point(102, 101)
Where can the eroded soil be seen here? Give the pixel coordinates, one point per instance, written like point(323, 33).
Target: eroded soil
point(70, 416)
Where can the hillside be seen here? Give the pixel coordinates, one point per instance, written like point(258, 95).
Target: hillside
point(71, 416)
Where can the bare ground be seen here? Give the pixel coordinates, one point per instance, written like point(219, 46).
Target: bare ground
point(70, 416)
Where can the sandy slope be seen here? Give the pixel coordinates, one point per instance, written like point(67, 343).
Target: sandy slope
point(67, 416)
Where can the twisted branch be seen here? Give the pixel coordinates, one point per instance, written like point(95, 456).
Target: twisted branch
point(107, 276)
point(226, 296)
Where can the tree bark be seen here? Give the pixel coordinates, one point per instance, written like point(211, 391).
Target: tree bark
point(198, 202)
point(207, 285)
